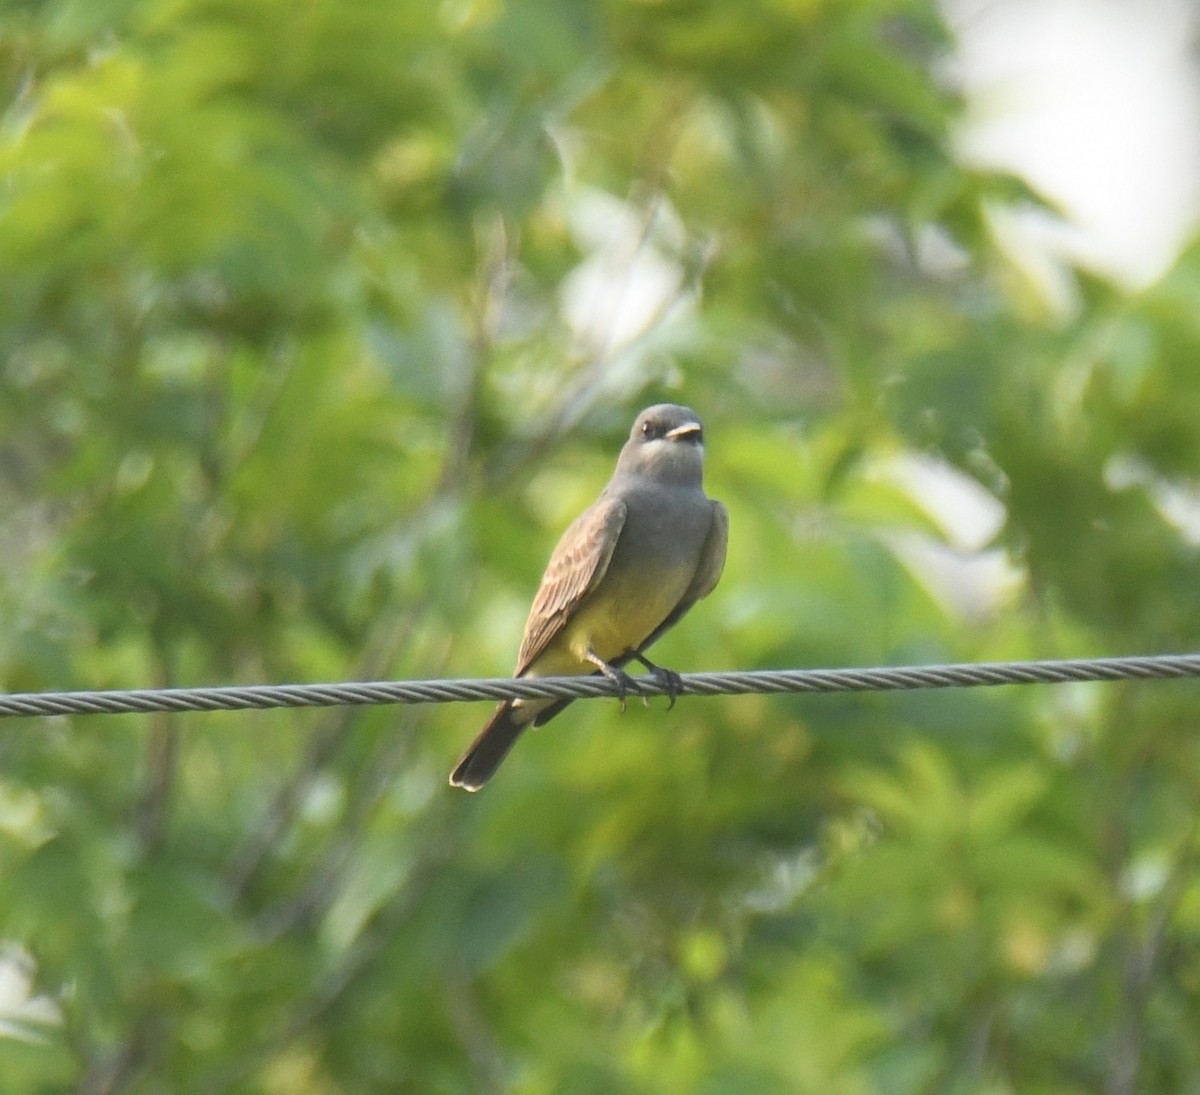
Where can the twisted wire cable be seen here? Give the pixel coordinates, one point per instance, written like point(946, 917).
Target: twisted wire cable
point(761, 681)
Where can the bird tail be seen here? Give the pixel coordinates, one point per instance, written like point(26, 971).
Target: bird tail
point(483, 756)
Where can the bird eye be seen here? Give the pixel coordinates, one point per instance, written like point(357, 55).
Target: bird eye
point(647, 429)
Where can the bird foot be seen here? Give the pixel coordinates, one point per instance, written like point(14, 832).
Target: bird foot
point(670, 681)
point(624, 682)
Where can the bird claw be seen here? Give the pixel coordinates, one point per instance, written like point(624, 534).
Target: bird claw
point(670, 681)
point(667, 679)
point(624, 682)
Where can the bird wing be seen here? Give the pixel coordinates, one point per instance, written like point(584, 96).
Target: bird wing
point(708, 572)
point(712, 556)
point(574, 570)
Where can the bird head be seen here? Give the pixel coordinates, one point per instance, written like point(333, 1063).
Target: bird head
point(666, 442)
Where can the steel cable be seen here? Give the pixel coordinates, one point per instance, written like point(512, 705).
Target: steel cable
point(761, 681)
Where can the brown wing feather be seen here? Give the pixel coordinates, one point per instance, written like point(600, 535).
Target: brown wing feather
point(575, 568)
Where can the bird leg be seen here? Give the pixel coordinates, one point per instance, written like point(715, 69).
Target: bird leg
point(670, 681)
point(624, 682)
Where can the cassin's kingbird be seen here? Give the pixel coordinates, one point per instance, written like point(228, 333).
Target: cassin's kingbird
point(625, 572)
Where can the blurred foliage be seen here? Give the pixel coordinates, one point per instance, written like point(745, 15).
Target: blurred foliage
point(320, 321)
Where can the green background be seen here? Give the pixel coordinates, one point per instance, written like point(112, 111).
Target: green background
point(301, 377)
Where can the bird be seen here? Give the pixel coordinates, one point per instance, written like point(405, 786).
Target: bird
point(625, 571)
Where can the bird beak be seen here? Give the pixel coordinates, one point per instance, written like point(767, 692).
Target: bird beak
point(687, 432)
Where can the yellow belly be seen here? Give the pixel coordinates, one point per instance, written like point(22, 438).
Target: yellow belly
point(619, 616)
